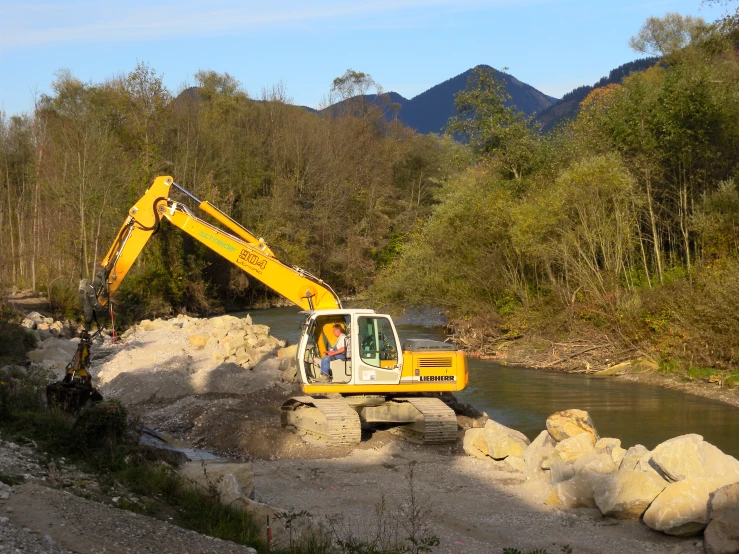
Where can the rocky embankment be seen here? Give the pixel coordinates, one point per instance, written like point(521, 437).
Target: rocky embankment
point(682, 487)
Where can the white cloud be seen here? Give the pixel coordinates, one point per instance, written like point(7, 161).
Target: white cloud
point(30, 24)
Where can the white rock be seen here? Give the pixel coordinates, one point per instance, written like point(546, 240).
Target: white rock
point(722, 533)
point(627, 493)
point(576, 493)
point(631, 459)
point(560, 471)
point(515, 463)
point(537, 454)
point(468, 443)
point(689, 457)
point(499, 441)
point(568, 450)
point(594, 463)
point(682, 508)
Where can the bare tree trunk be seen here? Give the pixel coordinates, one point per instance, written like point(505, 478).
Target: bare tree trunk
point(655, 235)
point(10, 222)
point(644, 256)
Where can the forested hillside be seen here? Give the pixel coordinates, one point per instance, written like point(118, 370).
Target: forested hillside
point(429, 112)
point(621, 227)
point(568, 106)
point(335, 194)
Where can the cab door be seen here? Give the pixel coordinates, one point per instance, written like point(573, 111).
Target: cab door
point(378, 357)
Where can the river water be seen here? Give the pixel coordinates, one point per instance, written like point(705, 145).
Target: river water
point(523, 398)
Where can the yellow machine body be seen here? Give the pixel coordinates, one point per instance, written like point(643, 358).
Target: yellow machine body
point(379, 381)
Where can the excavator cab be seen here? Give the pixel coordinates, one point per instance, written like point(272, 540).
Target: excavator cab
point(371, 355)
point(379, 382)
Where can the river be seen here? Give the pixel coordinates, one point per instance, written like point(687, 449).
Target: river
point(523, 398)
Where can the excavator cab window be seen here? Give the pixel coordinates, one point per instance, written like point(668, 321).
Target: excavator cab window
point(321, 338)
point(377, 346)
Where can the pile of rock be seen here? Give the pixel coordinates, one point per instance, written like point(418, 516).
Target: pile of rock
point(166, 360)
point(47, 327)
point(54, 347)
point(679, 488)
point(235, 340)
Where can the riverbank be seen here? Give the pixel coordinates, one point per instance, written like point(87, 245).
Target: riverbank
point(603, 357)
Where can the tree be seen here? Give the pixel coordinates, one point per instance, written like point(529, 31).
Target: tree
point(663, 36)
point(492, 128)
point(351, 89)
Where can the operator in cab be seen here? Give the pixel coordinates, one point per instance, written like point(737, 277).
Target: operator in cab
point(336, 352)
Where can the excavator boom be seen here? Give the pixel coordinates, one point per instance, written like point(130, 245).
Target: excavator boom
point(241, 248)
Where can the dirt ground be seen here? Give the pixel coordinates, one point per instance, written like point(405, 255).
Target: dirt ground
point(474, 506)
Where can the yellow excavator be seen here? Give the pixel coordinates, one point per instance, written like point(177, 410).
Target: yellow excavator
point(374, 380)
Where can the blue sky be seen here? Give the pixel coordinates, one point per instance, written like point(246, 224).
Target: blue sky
point(406, 45)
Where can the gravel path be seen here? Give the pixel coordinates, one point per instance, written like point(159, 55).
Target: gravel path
point(84, 526)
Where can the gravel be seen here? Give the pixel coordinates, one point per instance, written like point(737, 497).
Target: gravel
point(17, 539)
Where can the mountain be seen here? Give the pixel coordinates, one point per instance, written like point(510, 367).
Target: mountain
point(569, 105)
point(429, 112)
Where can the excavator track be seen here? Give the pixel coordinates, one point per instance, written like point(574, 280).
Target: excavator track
point(330, 421)
point(435, 424)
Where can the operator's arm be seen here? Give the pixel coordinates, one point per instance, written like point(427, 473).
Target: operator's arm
point(339, 347)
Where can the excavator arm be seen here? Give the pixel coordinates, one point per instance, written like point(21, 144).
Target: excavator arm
point(239, 246)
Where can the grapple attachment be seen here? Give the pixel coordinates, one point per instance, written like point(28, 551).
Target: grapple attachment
point(75, 389)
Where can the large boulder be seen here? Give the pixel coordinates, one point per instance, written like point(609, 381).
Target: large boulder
point(560, 471)
point(471, 436)
point(682, 508)
point(612, 447)
point(569, 423)
point(288, 353)
point(575, 483)
point(722, 534)
point(689, 457)
point(233, 481)
point(572, 448)
point(679, 458)
point(289, 373)
point(515, 463)
point(575, 493)
point(632, 457)
point(499, 441)
point(537, 454)
point(646, 465)
point(600, 463)
point(627, 493)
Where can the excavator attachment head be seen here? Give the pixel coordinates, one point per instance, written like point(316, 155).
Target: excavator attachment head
point(75, 389)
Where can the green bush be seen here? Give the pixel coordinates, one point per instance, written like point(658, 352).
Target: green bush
point(15, 341)
point(102, 424)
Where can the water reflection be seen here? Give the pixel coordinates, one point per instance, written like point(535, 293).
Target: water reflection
point(523, 398)
point(637, 414)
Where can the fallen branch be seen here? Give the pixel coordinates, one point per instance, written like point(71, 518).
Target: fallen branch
point(574, 354)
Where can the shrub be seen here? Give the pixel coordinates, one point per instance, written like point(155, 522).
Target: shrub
point(15, 341)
